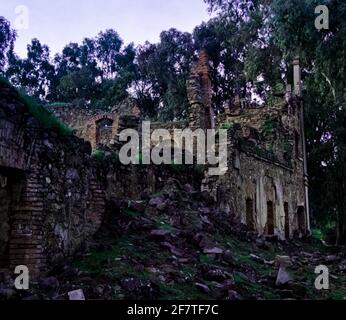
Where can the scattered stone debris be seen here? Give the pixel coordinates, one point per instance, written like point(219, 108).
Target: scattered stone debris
point(203, 287)
point(283, 276)
point(342, 266)
point(213, 251)
point(76, 295)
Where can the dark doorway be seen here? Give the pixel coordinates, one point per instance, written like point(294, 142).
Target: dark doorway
point(250, 221)
point(301, 218)
point(287, 221)
point(270, 218)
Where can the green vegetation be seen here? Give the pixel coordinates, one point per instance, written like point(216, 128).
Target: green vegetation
point(254, 276)
point(316, 234)
point(114, 157)
point(4, 82)
point(227, 125)
point(269, 126)
point(58, 104)
point(177, 291)
point(102, 155)
point(252, 42)
point(204, 258)
point(288, 152)
point(99, 155)
point(46, 118)
point(112, 262)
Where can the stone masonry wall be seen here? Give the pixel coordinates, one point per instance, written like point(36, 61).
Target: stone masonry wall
point(48, 187)
point(264, 185)
point(84, 122)
point(97, 126)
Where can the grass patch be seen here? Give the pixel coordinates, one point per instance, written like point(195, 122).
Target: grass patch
point(181, 291)
point(117, 261)
point(58, 105)
point(251, 289)
point(46, 118)
point(204, 258)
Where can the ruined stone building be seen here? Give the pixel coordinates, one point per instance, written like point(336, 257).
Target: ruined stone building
point(266, 181)
point(96, 126)
point(52, 198)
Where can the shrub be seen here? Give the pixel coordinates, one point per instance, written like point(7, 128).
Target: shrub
point(99, 155)
point(269, 126)
point(227, 125)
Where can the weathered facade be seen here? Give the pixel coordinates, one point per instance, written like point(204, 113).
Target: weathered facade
point(53, 197)
point(50, 199)
point(98, 127)
point(265, 185)
point(266, 182)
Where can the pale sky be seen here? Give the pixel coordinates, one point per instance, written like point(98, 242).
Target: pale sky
point(59, 22)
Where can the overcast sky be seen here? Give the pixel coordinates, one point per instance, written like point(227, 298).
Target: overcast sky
point(59, 22)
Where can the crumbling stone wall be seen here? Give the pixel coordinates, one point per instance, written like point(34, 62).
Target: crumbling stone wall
point(86, 123)
point(49, 191)
point(52, 200)
point(135, 182)
point(98, 127)
point(264, 185)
